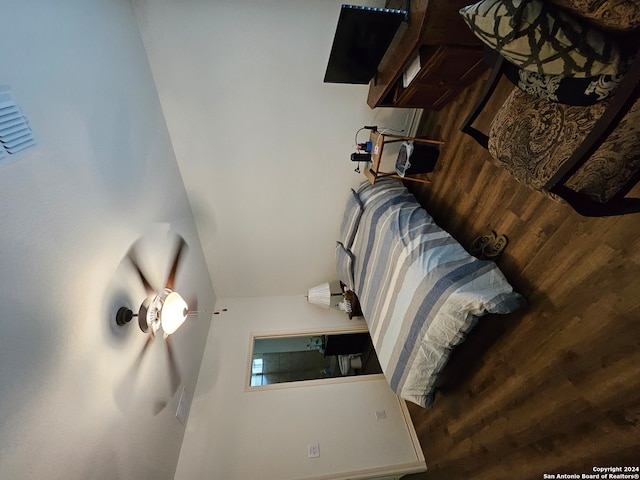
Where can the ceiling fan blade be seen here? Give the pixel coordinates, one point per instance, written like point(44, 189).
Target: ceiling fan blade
point(134, 261)
point(136, 365)
point(177, 257)
point(174, 374)
point(126, 387)
point(144, 348)
point(161, 403)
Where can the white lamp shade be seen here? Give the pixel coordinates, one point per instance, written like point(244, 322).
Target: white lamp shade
point(174, 313)
point(320, 295)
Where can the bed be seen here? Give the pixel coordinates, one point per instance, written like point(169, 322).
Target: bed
point(419, 290)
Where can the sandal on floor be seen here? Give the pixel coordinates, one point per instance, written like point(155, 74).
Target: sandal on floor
point(493, 250)
point(480, 243)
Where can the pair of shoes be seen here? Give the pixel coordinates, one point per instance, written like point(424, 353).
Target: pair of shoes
point(493, 250)
point(481, 242)
point(489, 246)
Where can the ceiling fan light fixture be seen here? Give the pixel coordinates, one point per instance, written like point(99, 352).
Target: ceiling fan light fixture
point(166, 310)
point(174, 312)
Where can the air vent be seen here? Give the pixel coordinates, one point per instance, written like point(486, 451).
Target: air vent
point(15, 132)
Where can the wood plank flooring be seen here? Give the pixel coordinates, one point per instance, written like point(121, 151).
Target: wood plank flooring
point(554, 388)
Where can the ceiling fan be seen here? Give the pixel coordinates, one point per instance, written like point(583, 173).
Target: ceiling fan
point(162, 309)
point(161, 313)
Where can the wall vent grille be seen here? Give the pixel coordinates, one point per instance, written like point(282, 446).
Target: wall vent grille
point(15, 132)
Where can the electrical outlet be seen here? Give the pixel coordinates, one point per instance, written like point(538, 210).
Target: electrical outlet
point(381, 415)
point(314, 450)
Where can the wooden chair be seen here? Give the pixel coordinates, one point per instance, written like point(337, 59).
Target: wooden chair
point(618, 106)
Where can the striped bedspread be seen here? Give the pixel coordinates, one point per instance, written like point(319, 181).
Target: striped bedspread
point(419, 289)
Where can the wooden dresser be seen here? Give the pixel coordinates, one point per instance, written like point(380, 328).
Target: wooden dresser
point(449, 56)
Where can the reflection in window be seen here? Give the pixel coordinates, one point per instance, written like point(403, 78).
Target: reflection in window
point(257, 372)
point(296, 358)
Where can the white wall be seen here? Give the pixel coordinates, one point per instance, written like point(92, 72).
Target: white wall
point(234, 433)
point(102, 175)
point(263, 144)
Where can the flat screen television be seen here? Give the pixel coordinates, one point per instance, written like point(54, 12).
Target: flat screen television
point(362, 37)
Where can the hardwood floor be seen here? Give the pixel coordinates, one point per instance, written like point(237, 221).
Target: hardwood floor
point(557, 390)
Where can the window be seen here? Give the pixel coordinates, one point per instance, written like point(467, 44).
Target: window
point(297, 357)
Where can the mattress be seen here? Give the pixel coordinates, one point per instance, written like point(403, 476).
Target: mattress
point(420, 291)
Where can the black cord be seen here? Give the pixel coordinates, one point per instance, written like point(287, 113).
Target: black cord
point(357, 170)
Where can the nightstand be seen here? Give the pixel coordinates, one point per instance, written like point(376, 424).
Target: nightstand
point(378, 140)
